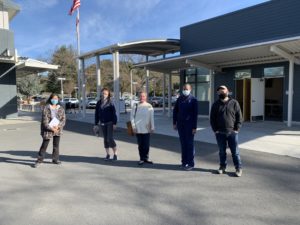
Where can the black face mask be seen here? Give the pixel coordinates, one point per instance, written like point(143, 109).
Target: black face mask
point(222, 96)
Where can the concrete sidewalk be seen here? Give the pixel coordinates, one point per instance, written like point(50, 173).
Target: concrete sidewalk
point(86, 190)
point(268, 136)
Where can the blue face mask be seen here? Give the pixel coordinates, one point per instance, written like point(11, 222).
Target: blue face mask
point(54, 101)
point(186, 92)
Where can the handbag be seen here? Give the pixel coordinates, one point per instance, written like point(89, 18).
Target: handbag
point(129, 128)
point(129, 125)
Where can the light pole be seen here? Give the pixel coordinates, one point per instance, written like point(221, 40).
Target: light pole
point(154, 84)
point(76, 91)
point(134, 84)
point(61, 86)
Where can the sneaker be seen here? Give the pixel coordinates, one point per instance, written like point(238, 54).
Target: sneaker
point(107, 157)
point(181, 166)
point(37, 164)
point(141, 162)
point(221, 170)
point(115, 158)
point(57, 162)
point(188, 168)
point(238, 172)
point(148, 161)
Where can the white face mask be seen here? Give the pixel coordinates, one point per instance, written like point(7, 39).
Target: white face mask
point(186, 92)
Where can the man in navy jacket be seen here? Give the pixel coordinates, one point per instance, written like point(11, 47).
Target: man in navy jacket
point(185, 115)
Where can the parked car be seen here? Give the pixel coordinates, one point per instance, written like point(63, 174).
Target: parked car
point(156, 101)
point(72, 102)
point(91, 104)
point(134, 101)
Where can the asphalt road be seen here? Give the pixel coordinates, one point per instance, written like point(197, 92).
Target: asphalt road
point(87, 190)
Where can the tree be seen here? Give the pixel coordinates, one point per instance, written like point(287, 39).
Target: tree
point(65, 57)
point(29, 85)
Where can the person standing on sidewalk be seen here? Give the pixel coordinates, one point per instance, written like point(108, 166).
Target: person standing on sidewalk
point(105, 113)
point(53, 121)
point(142, 121)
point(185, 116)
point(226, 121)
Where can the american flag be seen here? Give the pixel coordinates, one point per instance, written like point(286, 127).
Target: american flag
point(76, 4)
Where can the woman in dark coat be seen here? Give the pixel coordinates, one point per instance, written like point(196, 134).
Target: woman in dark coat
point(105, 113)
point(53, 121)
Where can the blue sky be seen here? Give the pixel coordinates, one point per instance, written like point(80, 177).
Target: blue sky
point(43, 25)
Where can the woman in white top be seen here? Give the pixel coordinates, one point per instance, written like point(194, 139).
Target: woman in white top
point(142, 120)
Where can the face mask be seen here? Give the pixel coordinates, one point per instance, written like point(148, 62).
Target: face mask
point(223, 96)
point(54, 101)
point(186, 92)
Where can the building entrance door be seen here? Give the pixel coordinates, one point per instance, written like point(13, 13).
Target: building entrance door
point(243, 96)
point(274, 99)
point(257, 99)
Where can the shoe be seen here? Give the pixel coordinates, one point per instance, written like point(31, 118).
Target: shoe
point(188, 168)
point(57, 162)
point(37, 164)
point(181, 166)
point(141, 162)
point(107, 157)
point(148, 161)
point(221, 170)
point(115, 158)
point(238, 172)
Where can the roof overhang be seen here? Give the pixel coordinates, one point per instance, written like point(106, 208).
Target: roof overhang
point(257, 53)
point(11, 7)
point(151, 47)
point(32, 66)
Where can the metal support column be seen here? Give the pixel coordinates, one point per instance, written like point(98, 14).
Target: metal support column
point(164, 93)
point(290, 93)
point(116, 82)
point(98, 76)
point(169, 96)
point(83, 96)
point(212, 89)
point(147, 78)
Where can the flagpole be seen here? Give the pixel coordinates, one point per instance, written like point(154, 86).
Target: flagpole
point(79, 83)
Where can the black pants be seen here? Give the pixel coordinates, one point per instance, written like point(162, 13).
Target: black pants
point(43, 149)
point(108, 136)
point(143, 145)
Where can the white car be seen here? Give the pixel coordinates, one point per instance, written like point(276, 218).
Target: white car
point(91, 104)
point(134, 101)
point(74, 102)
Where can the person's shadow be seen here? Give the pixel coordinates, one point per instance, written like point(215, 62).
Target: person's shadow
point(90, 160)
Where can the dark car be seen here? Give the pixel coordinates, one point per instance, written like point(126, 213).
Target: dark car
point(156, 101)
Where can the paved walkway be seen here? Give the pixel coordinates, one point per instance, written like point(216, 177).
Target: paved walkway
point(86, 190)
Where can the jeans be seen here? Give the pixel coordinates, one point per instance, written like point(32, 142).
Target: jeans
point(143, 145)
point(43, 149)
point(108, 136)
point(187, 144)
point(232, 140)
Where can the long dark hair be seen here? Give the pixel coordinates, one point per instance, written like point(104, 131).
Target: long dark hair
point(50, 97)
point(109, 93)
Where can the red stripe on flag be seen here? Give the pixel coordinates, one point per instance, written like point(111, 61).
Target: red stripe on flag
point(76, 4)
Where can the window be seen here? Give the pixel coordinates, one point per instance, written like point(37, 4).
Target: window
point(274, 71)
point(199, 79)
point(241, 74)
point(203, 91)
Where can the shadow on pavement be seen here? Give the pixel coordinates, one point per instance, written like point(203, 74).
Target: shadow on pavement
point(91, 160)
point(159, 141)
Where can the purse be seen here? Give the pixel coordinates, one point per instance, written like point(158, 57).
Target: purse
point(129, 125)
point(129, 128)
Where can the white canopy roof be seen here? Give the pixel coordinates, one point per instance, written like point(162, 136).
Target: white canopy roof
point(257, 53)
